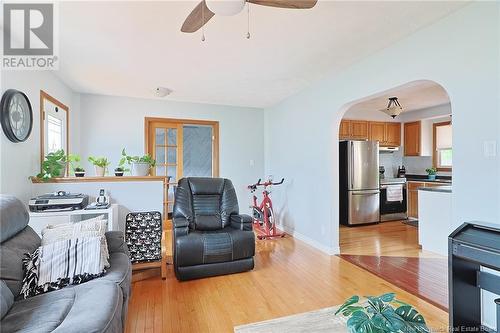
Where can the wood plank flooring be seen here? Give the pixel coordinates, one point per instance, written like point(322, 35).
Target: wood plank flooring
point(289, 277)
point(390, 250)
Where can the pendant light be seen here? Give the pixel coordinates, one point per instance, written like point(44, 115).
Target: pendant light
point(393, 109)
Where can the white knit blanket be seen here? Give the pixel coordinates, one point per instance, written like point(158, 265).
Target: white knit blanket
point(70, 258)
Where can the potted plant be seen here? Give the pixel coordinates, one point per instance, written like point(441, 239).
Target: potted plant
point(119, 171)
point(54, 165)
point(431, 172)
point(74, 162)
point(100, 164)
point(140, 166)
point(381, 314)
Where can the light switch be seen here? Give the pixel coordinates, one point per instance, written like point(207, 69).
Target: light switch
point(490, 148)
point(252, 163)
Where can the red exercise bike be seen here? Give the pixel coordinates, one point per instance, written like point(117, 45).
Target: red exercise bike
point(263, 215)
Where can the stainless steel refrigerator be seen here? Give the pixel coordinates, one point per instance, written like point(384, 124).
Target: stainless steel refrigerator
point(359, 182)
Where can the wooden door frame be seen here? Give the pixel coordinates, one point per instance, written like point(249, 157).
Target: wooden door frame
point(214, 124)
point(45, 96)
point(434, 146)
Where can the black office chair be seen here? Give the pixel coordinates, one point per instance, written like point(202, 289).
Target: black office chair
point(210, 237)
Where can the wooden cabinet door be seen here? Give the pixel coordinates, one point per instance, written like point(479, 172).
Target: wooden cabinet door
point(377, 132)
point(413, 198)
point(345, 129)
point(393, 134)
point(412, 138)
point(359, 129)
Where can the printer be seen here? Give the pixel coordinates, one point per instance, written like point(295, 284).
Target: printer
point(58, 201)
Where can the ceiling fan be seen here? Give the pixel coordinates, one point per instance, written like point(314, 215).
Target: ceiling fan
point(206, 9)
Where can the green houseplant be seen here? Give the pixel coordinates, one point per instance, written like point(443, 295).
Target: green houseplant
point(100, 164)
point(382, 314)
point(74, 162)
point(140, 165)
point(431, 173)
point(54, 165)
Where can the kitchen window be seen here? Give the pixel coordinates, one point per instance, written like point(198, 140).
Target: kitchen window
point(443, 151)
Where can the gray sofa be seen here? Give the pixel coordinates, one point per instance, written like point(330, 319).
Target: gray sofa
point(99, 305)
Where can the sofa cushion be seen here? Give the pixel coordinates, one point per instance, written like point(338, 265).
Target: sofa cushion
point(223, 245)
point(6, 298)
point(12, 252)
point(120, 272)
point(14, 216)
point(90, 307)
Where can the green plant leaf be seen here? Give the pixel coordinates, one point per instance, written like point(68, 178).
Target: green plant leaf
point(414, 321)
point(360, 322)
point(388, 297)
point(346, 312)
point(388, 320)
point(352, 300)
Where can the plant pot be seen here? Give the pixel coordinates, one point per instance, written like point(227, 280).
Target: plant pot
point(79, 173)
point(140, 169)
point(99, 171)
point(432, 177)
point(118, 173)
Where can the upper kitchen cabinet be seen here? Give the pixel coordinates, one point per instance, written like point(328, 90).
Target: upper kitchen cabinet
point(353, 130)
point(345, 129)
point(387, 134)
point(412, 138)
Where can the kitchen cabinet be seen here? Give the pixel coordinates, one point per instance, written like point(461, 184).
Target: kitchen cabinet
point(388, 134)
point(359, 129)
point(353, 130)
point(412, 138)
point(344, 129)
point(412, 195)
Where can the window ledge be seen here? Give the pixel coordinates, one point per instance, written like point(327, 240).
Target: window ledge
point(109, 179)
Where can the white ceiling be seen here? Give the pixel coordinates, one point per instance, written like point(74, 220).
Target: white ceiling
point(128, 48)
point(413, 96)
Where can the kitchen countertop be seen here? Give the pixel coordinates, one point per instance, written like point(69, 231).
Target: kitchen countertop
point(444, 189)
point(443, 181)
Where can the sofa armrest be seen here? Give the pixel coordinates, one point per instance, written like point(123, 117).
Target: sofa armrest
point(181, 226)
point(241, 222)
point(116, 242)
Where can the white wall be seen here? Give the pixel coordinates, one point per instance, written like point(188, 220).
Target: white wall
point(109, 124)
point(20, 160)
point(460, 52)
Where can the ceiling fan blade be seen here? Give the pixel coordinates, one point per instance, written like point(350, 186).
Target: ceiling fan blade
point(198, 17)
point(297, 4)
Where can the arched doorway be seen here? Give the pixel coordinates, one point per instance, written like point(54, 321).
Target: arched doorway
point(383, 164)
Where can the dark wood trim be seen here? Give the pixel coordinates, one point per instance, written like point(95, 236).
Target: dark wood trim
point(45, 96)
point(434, 155)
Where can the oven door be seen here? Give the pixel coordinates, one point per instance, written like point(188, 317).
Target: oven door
point(392, 207)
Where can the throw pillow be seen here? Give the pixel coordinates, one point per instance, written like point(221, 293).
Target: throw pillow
point(95, 227)
point(59, 264)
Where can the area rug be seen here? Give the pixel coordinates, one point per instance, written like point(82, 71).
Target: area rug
point(323, 320)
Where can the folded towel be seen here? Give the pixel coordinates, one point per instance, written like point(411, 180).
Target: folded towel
point(394, 192)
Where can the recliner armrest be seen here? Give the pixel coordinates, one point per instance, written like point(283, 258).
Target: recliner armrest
point(241, 222)
point(181, 226)
point(116, 242)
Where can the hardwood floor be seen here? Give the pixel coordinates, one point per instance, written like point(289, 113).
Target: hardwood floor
point(390, 250)
point(289, 277)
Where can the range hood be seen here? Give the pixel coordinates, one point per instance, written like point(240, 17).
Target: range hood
point(388, 149)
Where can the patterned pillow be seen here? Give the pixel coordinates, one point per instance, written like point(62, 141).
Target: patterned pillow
point(95, 227)
point(59, 264)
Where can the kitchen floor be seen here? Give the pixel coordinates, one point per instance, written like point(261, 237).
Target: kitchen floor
point(390, 250)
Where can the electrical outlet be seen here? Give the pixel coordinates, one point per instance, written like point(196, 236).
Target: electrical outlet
point(490, 148)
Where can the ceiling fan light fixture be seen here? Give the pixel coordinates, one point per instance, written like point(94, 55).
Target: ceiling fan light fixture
point(393, 109)
point(225, 7)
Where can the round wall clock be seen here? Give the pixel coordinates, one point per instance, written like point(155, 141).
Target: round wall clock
point(16, 115)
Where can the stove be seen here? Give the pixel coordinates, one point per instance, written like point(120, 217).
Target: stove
point(391, 181)
point(394, 209)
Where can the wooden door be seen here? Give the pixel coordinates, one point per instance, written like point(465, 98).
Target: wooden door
point(393, 134)
point(345, 129)
point(359, 129)
point(412, 138)
point(377, 132)
point(413, 198)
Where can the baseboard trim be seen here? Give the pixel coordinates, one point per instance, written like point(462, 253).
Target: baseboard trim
point(309, 241)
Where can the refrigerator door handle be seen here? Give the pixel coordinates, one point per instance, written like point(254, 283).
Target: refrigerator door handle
point(368, 192)
point(351, 169)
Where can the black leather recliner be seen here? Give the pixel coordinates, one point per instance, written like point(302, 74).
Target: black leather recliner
point(210, 237)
